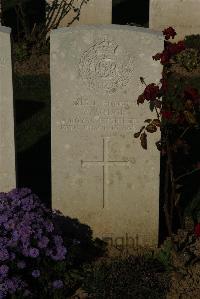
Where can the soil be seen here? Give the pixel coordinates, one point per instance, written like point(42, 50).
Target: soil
point(35, 65)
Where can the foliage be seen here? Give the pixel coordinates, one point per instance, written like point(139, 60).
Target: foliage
point(185, 260)
point(177, 117)
point(132, 277)
point(189, 59)
point(33, 257)
point(192, 208)
point(20, 51)
point(164, 254)
point(192, 41)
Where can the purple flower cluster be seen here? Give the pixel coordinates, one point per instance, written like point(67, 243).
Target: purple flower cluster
point(27, 239)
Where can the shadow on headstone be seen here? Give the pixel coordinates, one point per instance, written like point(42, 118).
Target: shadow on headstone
point(79, 239)
point(31, 108)
point(129, 11)
point(34, 169)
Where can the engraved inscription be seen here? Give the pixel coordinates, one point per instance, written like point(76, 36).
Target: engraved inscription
point(88, 115)
point(98, 124)
point(106, 67)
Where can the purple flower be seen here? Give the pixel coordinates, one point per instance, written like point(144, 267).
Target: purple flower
point(49, 226)
point(11, 285)
point(10, 224)
point(3, 241)
point(43, 242)
point(27, 231)
point(21, 264)
point(25, 252)
point(57, 284)
point(4, 255)
point(3, 219)
point(16, 194)
point(2, 295)
point(12, 256)
point(4, 270)
point(15, 235)
point(36, 273)
point(58, 240)
point(34, 252)
point(60, 254)
point(28, 204)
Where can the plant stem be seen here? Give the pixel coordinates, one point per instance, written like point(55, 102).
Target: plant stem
point(166, 200)
point(186, 174)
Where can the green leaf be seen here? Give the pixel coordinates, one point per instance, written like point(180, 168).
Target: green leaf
point(151, 106)
point(198, 216)
point(151, 128)
point(193, 207)
point(148, 120)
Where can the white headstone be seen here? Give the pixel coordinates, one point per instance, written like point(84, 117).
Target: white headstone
point(92, 12)
point(100, 173)
point(182, 15)
point(7, 144)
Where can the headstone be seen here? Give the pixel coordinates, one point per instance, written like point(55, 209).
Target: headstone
point(182, 15)
point(7, 144)
point(100, 173)
point(92, 12)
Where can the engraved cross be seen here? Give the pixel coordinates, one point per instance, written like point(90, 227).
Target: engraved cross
point(105, 163)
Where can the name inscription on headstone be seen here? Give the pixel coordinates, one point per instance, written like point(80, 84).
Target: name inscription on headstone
point(90, 116)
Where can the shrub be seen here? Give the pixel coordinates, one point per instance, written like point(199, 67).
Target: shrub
point(175, 100)
point(132, 277)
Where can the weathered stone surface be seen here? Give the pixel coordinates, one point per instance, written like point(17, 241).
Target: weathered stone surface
point(94, 12)
point(100, 173)
point(182, 15)
point(7, 144)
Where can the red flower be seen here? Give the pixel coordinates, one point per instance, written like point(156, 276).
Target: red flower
point(192, 94)
point(169, 32)
point(151, 92)
point(141, 99)
point(175, 48)
point(197, 230)
point(166, 114)
point(170, 50)
point(165, 57)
